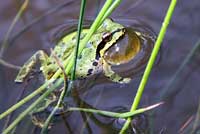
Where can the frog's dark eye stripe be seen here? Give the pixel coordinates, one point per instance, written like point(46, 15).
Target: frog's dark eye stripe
point(100, 46)
point(119, 30)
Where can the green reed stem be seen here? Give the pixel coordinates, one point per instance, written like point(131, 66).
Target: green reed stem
point(79, 29)
point(66, 89)
point(36, 92)
point(58, 105)
point(114, 114)
point(171, 89)
point(29, 97)
point(31, 107)
point(26, 27)
point(56, 75)
point(20, 103)
point(98, 21)
point(17, 17)
point(9, 65)
point(196, 121)
point(150, 63)
point(68, 64)
point(110, 9)
point(39, 18)
point(92, 29)
point(8, 33)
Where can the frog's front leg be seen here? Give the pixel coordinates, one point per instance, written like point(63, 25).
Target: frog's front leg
point(112, 75)
point(29, 65)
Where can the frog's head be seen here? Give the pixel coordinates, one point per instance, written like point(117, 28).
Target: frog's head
point(112, 32)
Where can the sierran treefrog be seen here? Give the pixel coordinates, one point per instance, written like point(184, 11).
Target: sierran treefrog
point(90, 62)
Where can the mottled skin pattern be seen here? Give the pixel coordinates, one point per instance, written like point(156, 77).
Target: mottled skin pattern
point(91, 61)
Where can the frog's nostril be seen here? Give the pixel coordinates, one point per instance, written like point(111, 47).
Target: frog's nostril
point(107, 36)
point(95, 63)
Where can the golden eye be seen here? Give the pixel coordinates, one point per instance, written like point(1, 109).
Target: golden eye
point(124, 50)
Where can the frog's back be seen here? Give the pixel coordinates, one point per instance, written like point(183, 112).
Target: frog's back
point(110, 26)
point(89, 62)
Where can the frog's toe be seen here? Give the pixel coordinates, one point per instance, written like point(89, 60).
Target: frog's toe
point(20, 77)
point(119, 79)
point(18, 80)
point(124, 80)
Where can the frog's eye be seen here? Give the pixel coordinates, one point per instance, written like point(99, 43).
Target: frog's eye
point(124, 49)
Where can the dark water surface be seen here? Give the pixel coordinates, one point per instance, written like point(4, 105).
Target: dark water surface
point(181, 36)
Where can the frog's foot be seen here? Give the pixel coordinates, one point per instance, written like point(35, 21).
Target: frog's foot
point(112, 75)
point(29, 65)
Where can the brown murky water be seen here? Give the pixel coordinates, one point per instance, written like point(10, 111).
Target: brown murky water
point(182, 34)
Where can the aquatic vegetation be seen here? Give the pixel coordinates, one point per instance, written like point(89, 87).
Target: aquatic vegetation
point(151, 62)
point(54, 100)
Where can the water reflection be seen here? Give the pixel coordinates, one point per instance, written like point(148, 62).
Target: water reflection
point(182, 34)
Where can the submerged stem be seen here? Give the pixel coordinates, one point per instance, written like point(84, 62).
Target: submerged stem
point(114, 114)
point(9, 65)
point(30, 108)
point(26, 99)
point(67, 64)
point(17, 17)
point(79, 29)
point(67, 89)
point(150, 63)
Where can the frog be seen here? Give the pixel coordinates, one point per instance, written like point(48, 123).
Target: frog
point(91, 61)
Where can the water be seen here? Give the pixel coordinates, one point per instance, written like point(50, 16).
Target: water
point(182, 34)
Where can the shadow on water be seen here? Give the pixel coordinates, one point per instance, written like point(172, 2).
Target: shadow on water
point(180, 38)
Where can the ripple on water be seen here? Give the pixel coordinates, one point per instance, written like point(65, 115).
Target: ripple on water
point(130, 53)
